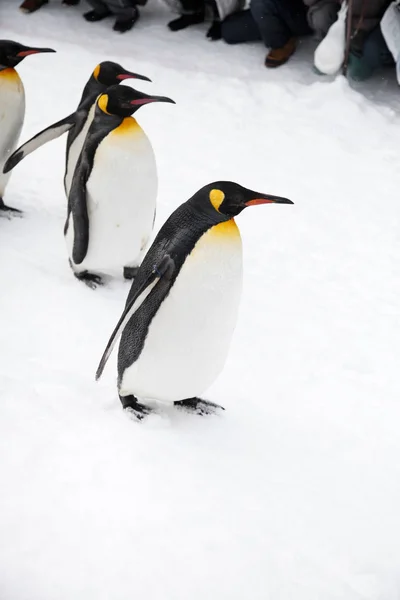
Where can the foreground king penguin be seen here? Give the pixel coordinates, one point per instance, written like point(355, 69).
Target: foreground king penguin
point(182, 308)
point(112, 201)
point(12, 105)
point(77, 124)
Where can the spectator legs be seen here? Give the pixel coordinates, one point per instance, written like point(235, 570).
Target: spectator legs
point(375, 55)
point(276, 22)
point(279, 20)
point(125, 10)
point(193, 13)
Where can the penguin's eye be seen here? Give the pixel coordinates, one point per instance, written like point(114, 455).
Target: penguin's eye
point(216, 198)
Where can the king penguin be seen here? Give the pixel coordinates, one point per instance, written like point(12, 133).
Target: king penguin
point(112, 202)
point(182, 308)
point(12, 104)
point(77, 124)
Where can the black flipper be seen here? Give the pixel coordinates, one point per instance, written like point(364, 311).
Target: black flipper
point(38, 140)
point(77, 195)
point(78, 207)
point(159, 276)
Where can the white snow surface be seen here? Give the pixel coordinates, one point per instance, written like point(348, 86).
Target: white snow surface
point(294, 492)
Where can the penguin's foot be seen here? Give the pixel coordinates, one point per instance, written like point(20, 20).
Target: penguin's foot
point(215, 31)
point(198, 406)
point(94, 15)
point(125, 24)
point(8, 211)
point(133, 406)
point(90, 279)
point(130, 272)
point(185, 21)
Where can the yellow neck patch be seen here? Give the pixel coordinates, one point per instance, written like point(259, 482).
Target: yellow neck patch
point(226, 229)
point(102, 103)
point(221, 235)
point(96, 73)
point(10, 74)
point(216, 198)
point(128, 126)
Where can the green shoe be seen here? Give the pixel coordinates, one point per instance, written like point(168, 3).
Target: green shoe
point(358, 68)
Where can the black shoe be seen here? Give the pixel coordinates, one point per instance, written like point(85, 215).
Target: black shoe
point(185, 21)
point(92, 16)
point(125, 24)
point(29, 6)
point(215, 31)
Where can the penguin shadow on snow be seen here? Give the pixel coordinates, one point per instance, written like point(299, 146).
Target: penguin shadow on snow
point(8, 213)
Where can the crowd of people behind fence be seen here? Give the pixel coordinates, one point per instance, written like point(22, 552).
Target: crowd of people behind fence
point(277, 23)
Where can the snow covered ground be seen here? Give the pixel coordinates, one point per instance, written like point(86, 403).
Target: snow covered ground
point(294, 492)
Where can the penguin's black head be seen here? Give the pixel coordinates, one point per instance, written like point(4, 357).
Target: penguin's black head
point(11, 53)
point(226, 199)
point(123, 101)
point(111, 73)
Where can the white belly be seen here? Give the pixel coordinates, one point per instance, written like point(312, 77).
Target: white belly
point(12, 113)
point(75, 150)
point(121, 201)
point(189, 338)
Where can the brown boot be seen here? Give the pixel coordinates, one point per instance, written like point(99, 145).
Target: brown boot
point(278, 56)
point(29, 6)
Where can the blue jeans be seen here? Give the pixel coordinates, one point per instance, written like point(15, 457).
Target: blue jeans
point(273, 21)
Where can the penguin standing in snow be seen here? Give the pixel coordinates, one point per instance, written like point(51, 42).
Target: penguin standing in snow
point(77, 124)
point(182, 308)
point(12, 104)
point(112, 202)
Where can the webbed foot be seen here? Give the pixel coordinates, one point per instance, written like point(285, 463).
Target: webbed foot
point(8, 211)
point(199, 406)
point(130, 272)
point(133, 406)
point(90, 279)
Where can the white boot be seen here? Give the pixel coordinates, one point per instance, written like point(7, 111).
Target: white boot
point(390, 27)
point(329, 54)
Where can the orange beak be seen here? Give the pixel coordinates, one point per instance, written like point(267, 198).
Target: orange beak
point(129, 75)
point(268, 199)
point(30, 51)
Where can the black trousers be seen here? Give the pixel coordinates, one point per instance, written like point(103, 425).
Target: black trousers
point(273, 21)
point(120, 8)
